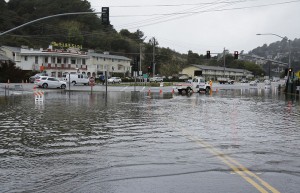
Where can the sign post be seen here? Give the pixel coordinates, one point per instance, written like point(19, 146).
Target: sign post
point(92, 83)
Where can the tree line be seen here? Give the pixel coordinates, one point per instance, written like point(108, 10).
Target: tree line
point(88, 31)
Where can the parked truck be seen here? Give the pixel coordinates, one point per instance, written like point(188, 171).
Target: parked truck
point(225, 80)
point(76, 78)
point(197, 84)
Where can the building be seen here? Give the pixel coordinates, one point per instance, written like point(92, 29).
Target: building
point(214, 72)
point(99, 63)
point(57, 62)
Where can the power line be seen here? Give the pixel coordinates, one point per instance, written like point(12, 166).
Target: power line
point(172, 5)
point(186, 14)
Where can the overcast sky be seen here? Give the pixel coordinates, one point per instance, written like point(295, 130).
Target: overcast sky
point(201, 25)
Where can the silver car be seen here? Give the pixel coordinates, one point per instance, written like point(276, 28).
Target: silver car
point(114, 80)
point(156, 79)
point(50, 82)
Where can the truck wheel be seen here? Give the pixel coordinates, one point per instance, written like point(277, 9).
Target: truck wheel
point(188, 90)
point(180, 91)
point(207, 90)
point(74, 82)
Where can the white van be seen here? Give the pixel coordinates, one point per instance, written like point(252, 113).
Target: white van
point(76, 78)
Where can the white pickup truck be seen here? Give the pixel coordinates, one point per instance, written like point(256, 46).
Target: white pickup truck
point(197, 84)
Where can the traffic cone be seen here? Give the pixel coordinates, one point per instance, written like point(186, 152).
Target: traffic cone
point(149, 92)
point(8, 81)
point(160, 91)
point(34, 87)
point(173, 91)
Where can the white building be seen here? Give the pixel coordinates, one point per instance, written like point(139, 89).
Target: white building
point(214, 72)
point(58, 62)
point(99, 63)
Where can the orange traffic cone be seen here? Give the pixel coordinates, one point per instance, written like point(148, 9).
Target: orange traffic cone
point(160, 91)
point(173, 91)
point(34, 87)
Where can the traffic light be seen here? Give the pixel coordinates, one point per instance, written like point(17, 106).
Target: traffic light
point(236, 55)
point(208, 54)
point(135, 64)
point(105, 15)
point(149, 69)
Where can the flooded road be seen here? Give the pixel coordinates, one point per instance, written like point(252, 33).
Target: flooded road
point(229, 141)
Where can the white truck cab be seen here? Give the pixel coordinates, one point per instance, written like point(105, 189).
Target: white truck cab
point(197, 84)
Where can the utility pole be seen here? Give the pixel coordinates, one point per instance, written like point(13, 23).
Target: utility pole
point(224, 60)
point(153, 41)
point(140, 57)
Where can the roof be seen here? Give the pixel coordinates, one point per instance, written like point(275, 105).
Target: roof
point(25, 51)
point(203, 67)
point(4, 58)
point(109, 56)
point(13, 49)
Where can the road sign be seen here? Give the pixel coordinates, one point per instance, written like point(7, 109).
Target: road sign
point(92, 81)
point(298, 74)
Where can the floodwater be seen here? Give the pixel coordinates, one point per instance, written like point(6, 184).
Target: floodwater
point(229, 141)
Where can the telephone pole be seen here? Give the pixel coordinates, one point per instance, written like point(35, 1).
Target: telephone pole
point(153, 42)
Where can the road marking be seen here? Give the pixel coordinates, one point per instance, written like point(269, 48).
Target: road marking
point(238, 168)
point(124, 88)
point(143, 88)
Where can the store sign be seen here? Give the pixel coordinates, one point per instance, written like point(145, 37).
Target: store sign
point(65, 45)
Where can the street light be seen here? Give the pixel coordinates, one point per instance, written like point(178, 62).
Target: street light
point(288, 86)
point(289, 45)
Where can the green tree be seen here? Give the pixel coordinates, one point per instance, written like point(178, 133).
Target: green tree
point(9, 71)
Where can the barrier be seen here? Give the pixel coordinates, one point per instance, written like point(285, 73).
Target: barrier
point(160, 91)
point(39, 95)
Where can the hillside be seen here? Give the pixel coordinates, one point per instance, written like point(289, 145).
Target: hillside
point(88, 31)
point(279, 51)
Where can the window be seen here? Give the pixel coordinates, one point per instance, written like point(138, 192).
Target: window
point(59, 60)
point(46, 59)
point(26, 58)
point(112, 60)
point(53, 59)
point(83, 61)
point(65, 60)
point(36, 59)
point(73, 61)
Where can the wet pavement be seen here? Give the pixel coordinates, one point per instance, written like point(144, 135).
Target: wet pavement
point(234, 140)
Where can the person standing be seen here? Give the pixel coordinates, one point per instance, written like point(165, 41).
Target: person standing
point(102, 79)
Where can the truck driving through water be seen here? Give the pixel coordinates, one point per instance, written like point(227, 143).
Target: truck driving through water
point(197, 84)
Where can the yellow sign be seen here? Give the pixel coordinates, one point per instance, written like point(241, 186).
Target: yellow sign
point(65, 45)
point(298, 74)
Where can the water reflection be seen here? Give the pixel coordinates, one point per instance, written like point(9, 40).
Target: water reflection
point(86, 142)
